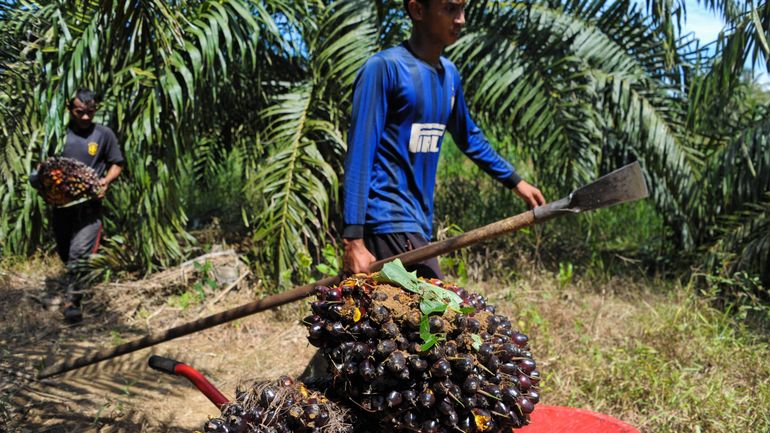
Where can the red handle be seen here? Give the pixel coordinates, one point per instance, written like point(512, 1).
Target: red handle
point(202, 384)
point(177, 368)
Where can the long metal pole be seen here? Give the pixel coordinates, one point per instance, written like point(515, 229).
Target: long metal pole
point(622, 185)
point(417, 255)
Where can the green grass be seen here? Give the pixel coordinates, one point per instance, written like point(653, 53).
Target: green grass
point(652, 354)
point(597, 243)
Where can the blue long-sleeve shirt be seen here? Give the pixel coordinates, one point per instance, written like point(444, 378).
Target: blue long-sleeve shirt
point(401, 108)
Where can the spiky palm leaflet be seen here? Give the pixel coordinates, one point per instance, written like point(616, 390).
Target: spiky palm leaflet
point(293, 188)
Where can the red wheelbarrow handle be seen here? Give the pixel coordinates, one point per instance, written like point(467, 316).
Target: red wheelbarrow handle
point(180, 369)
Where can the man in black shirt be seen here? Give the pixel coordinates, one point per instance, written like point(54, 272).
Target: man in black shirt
point(78, 228)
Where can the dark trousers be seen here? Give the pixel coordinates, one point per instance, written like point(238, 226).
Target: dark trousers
point(78, 231)
point(390, 244)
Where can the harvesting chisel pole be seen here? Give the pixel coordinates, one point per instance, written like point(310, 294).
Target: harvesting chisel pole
point(622, 185)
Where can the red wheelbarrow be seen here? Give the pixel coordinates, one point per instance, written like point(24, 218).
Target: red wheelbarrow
point(544, 419)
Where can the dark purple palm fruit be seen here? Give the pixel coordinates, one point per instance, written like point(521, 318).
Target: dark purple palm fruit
point(282, 405)
point(466, 368)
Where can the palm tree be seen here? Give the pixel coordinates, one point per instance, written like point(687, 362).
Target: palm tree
point(290, 191)
point(729, 112)
point(153, 63)
point(582, 86)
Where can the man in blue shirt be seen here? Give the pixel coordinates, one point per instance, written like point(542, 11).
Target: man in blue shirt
point(405, 98)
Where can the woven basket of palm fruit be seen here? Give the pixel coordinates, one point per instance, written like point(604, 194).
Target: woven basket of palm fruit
point(65, 180)
point(423, 355)
point(280, 406)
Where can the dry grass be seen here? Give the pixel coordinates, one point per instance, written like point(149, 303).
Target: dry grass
point(651, 354)
point(123, 394)
point(647, 352)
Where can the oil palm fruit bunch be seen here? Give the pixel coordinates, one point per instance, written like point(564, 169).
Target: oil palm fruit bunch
point(423, 355)
point(65, 180)
point(279, 406)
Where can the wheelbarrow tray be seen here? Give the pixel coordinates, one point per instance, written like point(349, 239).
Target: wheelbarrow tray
point(560, 419)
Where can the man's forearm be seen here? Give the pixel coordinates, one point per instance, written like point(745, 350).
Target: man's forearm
point(113, 173)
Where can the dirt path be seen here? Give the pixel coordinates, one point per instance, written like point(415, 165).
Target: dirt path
point(123, 394)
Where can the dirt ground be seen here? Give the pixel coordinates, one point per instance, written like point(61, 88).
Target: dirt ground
point(124, 394)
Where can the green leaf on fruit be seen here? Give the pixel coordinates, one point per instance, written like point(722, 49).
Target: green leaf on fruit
point(476, 341)
point(425, 328)
point(430, 306)
point(433, 299)
point(394, 272)
point(430, 342)
point(429, 339)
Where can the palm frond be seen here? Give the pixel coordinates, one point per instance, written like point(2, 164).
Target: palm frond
point(743, 244)
point(584, 87)
point(739, 175)
point(291, 186)
point(293, 189)
point(729, 10)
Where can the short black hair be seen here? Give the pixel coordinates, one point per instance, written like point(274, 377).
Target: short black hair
point(86, 96)
point(406, 6)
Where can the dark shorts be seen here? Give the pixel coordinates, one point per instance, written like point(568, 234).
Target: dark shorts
point(391, 244)
point(77, 230)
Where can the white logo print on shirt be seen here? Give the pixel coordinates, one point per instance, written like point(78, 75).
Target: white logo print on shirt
point(425, 137)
